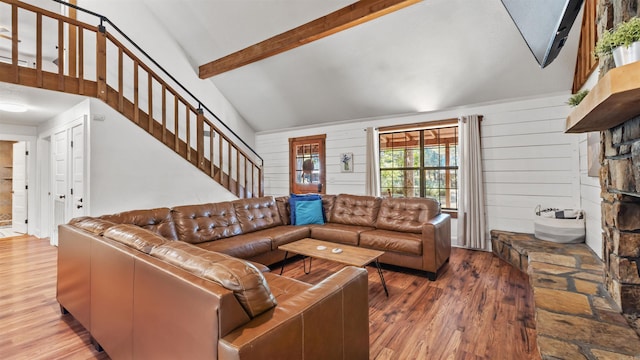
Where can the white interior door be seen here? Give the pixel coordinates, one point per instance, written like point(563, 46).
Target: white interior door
point(77, 171)
point(60, 181)
point(19, 188)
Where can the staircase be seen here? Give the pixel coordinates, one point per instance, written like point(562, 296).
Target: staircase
point(93, 62)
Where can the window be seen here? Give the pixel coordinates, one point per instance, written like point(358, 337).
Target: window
point(420, 161)
point(307, 164)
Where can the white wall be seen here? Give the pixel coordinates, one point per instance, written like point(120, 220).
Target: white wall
point(590, 200)
point(129, 169)
point(16, 131)
point(590, 189)
point(528, 160)
point(63, 119)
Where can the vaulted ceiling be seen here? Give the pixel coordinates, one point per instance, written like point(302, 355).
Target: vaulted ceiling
point(432, 55)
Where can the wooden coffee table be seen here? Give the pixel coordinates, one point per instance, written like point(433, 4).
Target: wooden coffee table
point(350, 255)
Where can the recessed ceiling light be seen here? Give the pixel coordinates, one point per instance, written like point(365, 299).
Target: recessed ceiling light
point(10, 107)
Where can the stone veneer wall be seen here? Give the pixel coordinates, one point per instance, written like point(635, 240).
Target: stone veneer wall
point(620, 182)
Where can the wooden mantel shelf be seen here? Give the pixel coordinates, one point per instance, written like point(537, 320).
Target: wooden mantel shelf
point(614, 100)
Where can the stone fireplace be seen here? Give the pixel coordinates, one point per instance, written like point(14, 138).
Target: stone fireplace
point(620, 181)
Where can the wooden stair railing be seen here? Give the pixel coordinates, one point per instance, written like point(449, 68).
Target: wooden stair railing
point(131, 87)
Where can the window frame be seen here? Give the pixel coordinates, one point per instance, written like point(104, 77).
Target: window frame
point(422, 168)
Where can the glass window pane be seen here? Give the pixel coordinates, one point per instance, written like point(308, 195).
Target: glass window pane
point(386, 159)
point(436, 161)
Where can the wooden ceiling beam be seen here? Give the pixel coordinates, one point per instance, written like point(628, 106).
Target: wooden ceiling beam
point(342, 19)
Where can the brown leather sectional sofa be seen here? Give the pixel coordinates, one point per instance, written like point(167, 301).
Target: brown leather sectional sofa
point(191, 281)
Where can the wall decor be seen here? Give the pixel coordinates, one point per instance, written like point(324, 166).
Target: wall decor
point(346, 162)
point(593, 154)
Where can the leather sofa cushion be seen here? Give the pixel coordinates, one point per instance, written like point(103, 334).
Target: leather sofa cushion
point(257, 213)
point(199, 223)
point(247, 283)
point(284, 288)
point(340, 233)
point(282, 203)
point(281, 235)
point(241, 246)
point(157, 220)
point(244, 279)
point(406, 215)
point(355, 210)
point(327, 204)
point(188, 257)
point(385, 240)
point(134, 236)
point(93, 225)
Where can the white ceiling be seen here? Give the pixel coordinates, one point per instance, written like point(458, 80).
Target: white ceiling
point(433, 55)
point(42, 105)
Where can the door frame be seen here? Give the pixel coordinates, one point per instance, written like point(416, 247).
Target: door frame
point(20, 225)
point(46, 198)
point(301, 189)
point(32, 216)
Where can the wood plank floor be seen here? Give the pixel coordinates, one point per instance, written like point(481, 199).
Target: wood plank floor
point(479, 308)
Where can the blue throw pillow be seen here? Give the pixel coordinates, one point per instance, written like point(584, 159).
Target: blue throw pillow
point(309, 212)
point(293, 199)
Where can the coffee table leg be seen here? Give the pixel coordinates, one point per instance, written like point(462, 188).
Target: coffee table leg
point(304, 264)
point(284, 261)
point(384, 284)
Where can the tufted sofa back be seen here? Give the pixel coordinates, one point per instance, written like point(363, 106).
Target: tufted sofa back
point(408, 215)
point(355, 210)
point(157, 220)
point(257, 213)
point(200, 223)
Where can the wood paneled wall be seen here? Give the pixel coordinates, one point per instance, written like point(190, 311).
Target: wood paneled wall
point(528, 160)
point(586, 61)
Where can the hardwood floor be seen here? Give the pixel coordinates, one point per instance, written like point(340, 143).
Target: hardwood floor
point(31, 326)
point(479, 308)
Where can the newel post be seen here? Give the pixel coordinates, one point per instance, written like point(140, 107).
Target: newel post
point(200, 137)
point(101, 62)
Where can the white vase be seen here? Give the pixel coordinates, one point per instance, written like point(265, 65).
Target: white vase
point(623, 55)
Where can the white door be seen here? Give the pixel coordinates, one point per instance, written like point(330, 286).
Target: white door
point(77, 171)
point(60, 181)
point(19, 188)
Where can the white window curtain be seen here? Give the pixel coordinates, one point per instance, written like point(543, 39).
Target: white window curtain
point(471, 216)
point(373, 163)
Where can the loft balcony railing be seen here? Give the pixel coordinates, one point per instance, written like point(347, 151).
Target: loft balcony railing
point(54, 52)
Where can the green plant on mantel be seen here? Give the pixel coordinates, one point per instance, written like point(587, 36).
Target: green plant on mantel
point(624, 34)
point(576, 98)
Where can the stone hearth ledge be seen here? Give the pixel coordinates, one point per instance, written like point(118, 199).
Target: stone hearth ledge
point(576, 318)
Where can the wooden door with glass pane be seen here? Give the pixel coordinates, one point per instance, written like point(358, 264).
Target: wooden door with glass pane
point(307, 164)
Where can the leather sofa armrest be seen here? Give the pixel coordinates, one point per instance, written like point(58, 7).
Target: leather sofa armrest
point(328, 321)
point(436, 242)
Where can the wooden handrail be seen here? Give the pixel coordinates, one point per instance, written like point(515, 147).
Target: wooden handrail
point(173, 128)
